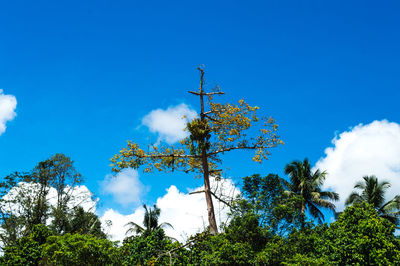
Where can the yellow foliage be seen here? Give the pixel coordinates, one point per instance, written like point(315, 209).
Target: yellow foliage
point(226, 127)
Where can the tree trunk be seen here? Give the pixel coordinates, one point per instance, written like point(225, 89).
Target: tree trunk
point(210, 206)
point(303, 212)
point(204, 160)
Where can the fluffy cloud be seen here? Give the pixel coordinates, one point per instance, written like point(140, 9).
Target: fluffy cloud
point(169, 124)
point(8, 103)
point(24, 191)
point(186, 213)
point(372, 149)
point(125, 187)
point(80, 196)
point(117, 229)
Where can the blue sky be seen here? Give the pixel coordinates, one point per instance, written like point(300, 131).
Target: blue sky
point(85, 73)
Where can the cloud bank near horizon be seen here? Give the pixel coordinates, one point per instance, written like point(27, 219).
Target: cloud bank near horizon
point(371, 149)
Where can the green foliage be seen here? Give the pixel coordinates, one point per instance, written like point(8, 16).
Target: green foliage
point(306, 240)
point(300, 260)
point(150, 222)
point(60, 223)
point(298, 248)
point(242, 239)
point(274, 252)
point(87, 223)
point(227, 253)
point(307, 184)
point(286, 216)
point(22, 205)
point(27, 250)
point(211, 249)
point(41, 247)
point(148, 248)
point(373, 192)
point(360, 236)
point(266, 197)
point(62, 176)
point(246, 229)
point(263, 193)
point(77, 249)
point(24, 198)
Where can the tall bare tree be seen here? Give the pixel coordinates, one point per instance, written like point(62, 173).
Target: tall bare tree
point(219, 129)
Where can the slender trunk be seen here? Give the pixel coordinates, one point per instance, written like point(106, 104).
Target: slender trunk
point(207, 191)
point(303, 212)
point(206, 174)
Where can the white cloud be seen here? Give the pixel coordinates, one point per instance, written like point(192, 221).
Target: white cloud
point(169, 124)
point(8, 103)
point(125, 187)
point(186, 213)
point(26, 192)
point(372, 149)
point(80, 196)
point(116, 231)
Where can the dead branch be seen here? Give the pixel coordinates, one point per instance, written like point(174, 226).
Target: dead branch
point(215, 196)
point(206, 93)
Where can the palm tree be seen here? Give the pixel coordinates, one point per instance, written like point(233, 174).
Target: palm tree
point(373, 192)
point(150, 221)
point(307, 184)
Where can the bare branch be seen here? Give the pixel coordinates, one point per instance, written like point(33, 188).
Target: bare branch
point(215, 170)
point(168, 156)
point(237, 148)
point(177, 248)
point(212, 193)
point(215, 120)
point(214, 111)
point(221, 200)
point(206, 93)
point(196, 192)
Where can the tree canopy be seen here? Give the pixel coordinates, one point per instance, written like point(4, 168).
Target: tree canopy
point(308, 184)
point(373, 192)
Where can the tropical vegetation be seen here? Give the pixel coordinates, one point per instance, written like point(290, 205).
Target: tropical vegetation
point(307, 184)
point(274, 221)
point(271, 223)
point(373, 192)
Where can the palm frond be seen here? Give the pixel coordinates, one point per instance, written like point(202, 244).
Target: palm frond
point(391, 206)
point(134, 228)
point(323, 203)
point(307, 184)
point(163, 225)
point(329, 195)
point(354, 198)
point(315, 212)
